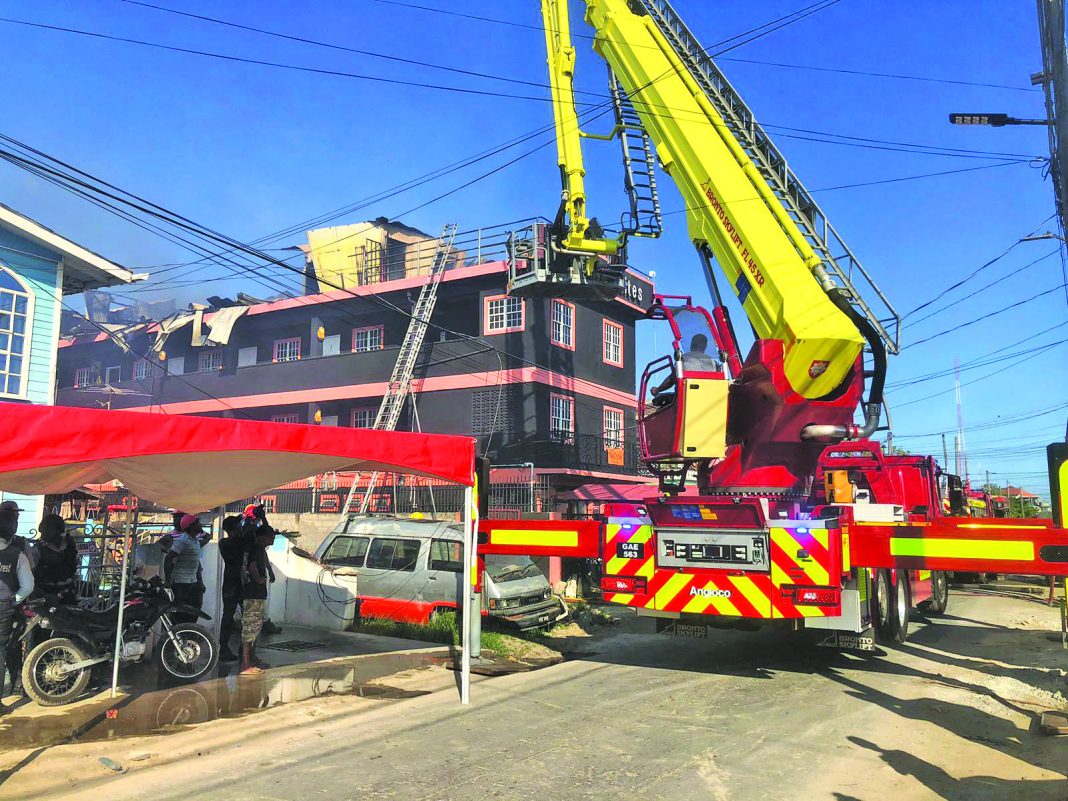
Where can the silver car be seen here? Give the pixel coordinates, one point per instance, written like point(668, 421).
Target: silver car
point(409, 570)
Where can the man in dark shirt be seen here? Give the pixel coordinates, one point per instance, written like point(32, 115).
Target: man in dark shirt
point(254, 581)
point(56, 561)
point(232, 550)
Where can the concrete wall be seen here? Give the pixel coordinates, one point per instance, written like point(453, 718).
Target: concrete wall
point(313, 528)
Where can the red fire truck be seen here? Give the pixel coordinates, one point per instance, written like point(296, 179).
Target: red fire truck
point(799, 517)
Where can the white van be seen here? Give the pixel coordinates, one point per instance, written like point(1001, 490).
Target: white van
point(409, 570)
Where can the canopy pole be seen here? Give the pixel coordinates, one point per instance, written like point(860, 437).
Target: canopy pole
point(128, 529)
point(467, 629)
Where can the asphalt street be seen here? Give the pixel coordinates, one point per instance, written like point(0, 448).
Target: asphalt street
point(952, 715)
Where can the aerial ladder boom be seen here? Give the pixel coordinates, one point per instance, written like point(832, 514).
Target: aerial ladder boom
point(784, 273)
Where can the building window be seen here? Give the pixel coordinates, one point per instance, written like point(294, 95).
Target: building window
point(291, 417)
point(16, 305)
point(210, 361)
point(613, 427)
point(503, 313)
point(364, 418)
point(367, 338)
point(83, 377)
point(176, 365)
point(612, 342)
point(563, 324)
point(140, 370)
point(562, 418)
point(286, 350)
point(112, 375)
point(247, 357)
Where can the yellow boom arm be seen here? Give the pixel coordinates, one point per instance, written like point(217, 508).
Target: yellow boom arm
point(779, 279)
point(561, 59)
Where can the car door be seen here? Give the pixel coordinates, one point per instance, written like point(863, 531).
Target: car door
point(392, 581)
point(445, 566)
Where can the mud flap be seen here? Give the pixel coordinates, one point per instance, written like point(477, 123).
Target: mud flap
point(849, 641)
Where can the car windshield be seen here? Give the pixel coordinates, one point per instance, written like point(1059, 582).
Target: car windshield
point(511, 568)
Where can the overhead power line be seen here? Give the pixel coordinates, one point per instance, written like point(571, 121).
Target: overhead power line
point(840, 70)
point(986, 316)
point(976, 271)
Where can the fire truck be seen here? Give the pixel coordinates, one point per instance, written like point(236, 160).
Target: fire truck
point(772, 505)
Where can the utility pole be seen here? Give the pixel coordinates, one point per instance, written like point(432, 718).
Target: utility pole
point(945, 454)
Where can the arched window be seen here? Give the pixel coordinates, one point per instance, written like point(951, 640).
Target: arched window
point(16, 304)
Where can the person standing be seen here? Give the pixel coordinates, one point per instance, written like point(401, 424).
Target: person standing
point(182, 570)
point(254, 598)
point(232, 549)
point(57, 560)
point(252, 519)
point(16, 583)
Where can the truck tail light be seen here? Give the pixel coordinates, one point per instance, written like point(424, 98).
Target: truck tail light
point(814, 596)
point(632, 585)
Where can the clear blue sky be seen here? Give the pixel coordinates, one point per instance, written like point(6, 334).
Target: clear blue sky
point(250, 150)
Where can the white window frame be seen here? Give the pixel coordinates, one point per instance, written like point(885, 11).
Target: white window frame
point(83, 377)
point(497, 322)
point(205, 357)
point(614, 419)
point(141, 369)
point(562, 416)
point(562, 323)
point(607, 346)
point(27, 336)
point(363, 414)
point(288, 417)
point(107, 373)
point(287, 344)
point(176, 365)
point(369, 344)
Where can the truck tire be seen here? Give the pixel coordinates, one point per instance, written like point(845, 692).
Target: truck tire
point(892, 605)
point(939, 593)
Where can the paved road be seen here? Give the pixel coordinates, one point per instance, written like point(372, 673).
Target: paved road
point(741, 716)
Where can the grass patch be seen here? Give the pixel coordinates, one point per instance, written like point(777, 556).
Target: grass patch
point(443, 629)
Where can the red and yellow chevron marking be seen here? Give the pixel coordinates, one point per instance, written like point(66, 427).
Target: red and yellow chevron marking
point(716, 592)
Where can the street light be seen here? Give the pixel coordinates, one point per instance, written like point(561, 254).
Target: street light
point(1041, 237)
point(993, 120)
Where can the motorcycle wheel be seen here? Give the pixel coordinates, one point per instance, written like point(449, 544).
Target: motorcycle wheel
point(41, 677)
point(195, 656)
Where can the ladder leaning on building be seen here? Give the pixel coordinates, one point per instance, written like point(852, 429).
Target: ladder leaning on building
point(400, 382)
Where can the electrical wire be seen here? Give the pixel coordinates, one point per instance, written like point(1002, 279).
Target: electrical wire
point(975, 272)
point(986, 316)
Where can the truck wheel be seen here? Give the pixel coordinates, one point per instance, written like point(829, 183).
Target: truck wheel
point(892, 605)
point(939, 593)
point(902, 607)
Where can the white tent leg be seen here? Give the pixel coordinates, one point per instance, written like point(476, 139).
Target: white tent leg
point(129, 529)
point(466, 628)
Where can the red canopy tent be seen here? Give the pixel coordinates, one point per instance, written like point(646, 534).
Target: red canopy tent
point(203, 462)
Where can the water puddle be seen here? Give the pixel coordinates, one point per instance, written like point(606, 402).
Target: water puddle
point(154, 709)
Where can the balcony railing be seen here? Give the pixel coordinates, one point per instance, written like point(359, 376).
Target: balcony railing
point(589, 452)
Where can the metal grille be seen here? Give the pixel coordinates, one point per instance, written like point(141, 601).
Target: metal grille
point(492, 409)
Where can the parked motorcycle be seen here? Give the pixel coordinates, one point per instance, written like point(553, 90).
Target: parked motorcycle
point(57, 670)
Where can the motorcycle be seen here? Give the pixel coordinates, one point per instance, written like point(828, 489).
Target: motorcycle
point(57, 670)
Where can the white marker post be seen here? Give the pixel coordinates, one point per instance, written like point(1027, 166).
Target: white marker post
point(129, 537)
point(470, 561)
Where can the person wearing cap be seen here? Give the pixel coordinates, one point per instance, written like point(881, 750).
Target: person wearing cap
point(182, 571)
point(253, 518)
point(16, 584)
point(12, 508)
